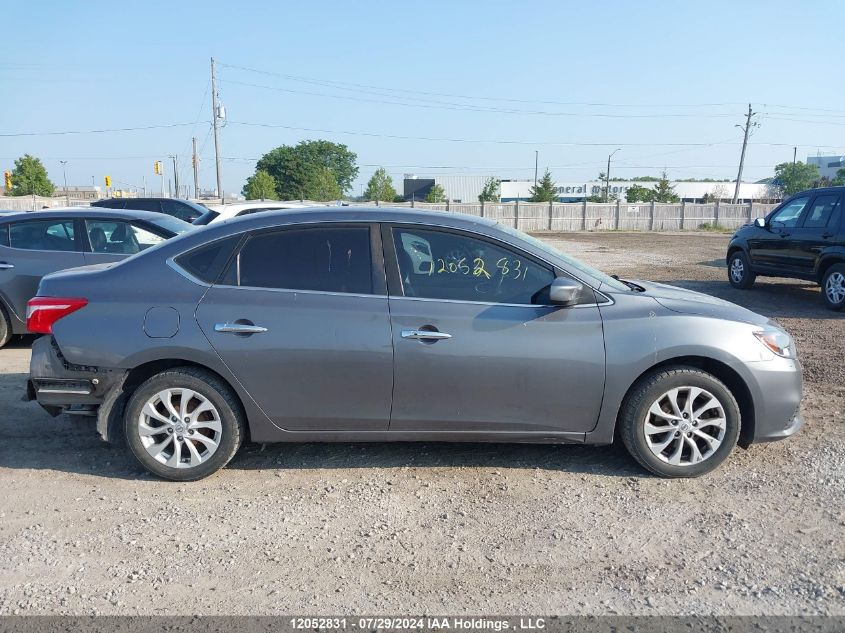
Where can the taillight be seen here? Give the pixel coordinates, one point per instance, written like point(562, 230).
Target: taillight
point(43, 312)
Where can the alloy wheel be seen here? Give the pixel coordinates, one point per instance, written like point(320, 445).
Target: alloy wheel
point(835, 288)
point(685, 426)
point(180, 428)
point(737, 270)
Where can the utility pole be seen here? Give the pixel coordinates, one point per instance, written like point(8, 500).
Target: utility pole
point(215, 107)
point(64, 175)
point(536, 157)
point(794, 154)
point(196, 163)
point(746, 129)
point(175, 160)
point(607, 175)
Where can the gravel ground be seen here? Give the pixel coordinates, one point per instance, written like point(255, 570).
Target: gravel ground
point(461, 528)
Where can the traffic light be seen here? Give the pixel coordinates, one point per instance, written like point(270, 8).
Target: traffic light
point(108, 182)
point(157, 168)
point(7, 175)
point(194, 160)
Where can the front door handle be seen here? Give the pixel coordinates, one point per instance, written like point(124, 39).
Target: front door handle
point(239, 328)
point(6, 266)
point(426, 335)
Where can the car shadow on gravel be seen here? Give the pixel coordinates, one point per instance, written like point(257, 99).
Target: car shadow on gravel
point(787, 299)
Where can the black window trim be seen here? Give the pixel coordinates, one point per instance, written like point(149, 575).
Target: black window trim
point(77, 243)
point(379, 284)
point(396, 290)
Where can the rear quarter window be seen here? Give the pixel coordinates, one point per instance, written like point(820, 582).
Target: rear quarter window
point(208, 262)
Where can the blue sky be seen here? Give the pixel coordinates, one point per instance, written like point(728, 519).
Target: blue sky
point(665, 73)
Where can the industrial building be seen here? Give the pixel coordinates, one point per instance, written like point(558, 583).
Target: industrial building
point(828, 165)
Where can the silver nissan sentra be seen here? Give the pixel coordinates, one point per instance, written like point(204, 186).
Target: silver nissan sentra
point(397, 325)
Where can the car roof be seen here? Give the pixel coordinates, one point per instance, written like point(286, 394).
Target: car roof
point(88, 212)
point(260, 204)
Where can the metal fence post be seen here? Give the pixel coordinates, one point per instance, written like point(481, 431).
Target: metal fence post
point(482, 208)
point(516, 214)
point(716, 214)
point(616, 216)
point(683, 213)
point(412, 203)
point(551, 206)
point(584, 215)
point(750, 211)
point(447, 205)
point(651, 216)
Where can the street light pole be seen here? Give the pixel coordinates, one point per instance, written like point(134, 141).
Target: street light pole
point(64, 175)
point(607, 176)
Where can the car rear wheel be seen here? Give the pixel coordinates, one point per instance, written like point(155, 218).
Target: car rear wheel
point(739, 271)
point(183, 424)
point(5, 327)
point(680, 422)
point(833, 287)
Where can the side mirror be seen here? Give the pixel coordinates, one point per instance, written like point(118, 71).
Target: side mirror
point(761, 222)
point(565, 291)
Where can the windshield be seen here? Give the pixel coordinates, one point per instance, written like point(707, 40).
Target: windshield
point(174, 225)
point(605, 279)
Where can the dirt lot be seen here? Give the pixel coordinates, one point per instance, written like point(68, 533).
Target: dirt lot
point(413, 529)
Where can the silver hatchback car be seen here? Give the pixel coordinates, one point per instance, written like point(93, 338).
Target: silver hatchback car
point(395, 325)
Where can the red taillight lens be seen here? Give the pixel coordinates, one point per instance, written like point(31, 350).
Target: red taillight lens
point(43, 312)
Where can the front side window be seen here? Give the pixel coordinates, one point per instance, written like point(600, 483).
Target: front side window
point(444, 265)
point(788, 216)
point(327, 259)
point(821, 211)
point(43, 235)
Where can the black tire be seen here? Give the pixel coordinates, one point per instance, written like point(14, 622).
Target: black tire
point(746, 277)
point(638, 401)
point(210, 387)
point(835, 273)
point(5, 327)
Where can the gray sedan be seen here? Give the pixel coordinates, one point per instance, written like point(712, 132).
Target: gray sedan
point(396, 325)
point(35, 244)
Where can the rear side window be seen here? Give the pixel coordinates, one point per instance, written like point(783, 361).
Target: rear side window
point(44, 235)
point(821, 211)
point(144, 205)
point(327, 259)
point(207, 262)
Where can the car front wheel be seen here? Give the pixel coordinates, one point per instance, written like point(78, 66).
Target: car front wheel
point(833, 287)
point(680, 422)
point(739, 271)
point(183, 424)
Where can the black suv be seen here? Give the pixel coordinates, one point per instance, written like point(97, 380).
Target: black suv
point(178, 208)
point(804, 238)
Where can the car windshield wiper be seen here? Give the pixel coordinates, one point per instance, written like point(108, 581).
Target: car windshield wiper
point(630, 284)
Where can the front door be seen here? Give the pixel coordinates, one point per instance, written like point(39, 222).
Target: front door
point(773, 247)
point(302, 321)
point(36, 248)
point(112, 240)
point(478, 347)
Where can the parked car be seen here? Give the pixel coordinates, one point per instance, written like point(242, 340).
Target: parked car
point(802, 238)
point(221, 212)
point(35, 244)
point(338, 324)
point(177, 207)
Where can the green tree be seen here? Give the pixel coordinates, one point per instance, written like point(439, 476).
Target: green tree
point(791, 178)
point(490, 190)
point(664, 191)
point(30, 178)
point(839, 178)
point(260, 186)
point(436, 194)
point(380, 187)
point(323, 186)
point(637, 193)
point(545, 190)
point(295, 167)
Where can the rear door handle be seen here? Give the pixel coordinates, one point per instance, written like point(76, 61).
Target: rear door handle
point(426, 335)
point(6, 266)
point(239, 328)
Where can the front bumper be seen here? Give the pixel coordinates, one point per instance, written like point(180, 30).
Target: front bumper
point(776, 390)
point(63, 387)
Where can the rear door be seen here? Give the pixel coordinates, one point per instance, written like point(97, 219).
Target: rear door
point(36, 248)
point(817, 232)
point(773, 248)
point(301, 318)
point(477, 345)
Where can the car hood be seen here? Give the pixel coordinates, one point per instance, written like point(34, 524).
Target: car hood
point(691, 302)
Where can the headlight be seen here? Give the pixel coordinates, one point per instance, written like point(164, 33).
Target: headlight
point(777, 341)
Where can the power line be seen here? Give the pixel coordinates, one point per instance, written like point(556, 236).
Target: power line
point(102, 131)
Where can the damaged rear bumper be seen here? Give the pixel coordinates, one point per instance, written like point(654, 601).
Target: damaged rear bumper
point(63, 387)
